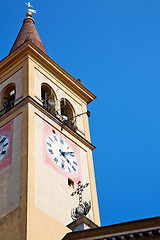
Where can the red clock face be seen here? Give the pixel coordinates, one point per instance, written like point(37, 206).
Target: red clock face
point(6, 142)
point(61, 153)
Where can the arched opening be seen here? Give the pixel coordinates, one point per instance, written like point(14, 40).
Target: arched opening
point(66, 108)
point(68, 113)
point(48, 98)
point(8, 97)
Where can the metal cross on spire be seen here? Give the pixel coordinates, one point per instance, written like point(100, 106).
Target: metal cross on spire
point(29, 5)
point(83, 207)
point(79, 191)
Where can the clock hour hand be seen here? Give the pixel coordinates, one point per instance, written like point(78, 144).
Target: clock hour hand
point(62, 153)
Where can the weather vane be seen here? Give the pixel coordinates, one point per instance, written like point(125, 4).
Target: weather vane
point(83, 207)
point(29, 7)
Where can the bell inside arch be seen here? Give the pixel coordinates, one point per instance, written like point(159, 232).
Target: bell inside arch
point(51, 99)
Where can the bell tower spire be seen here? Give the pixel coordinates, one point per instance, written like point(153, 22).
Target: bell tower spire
point(28, 31)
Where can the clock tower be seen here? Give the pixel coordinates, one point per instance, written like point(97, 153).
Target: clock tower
point(45, 147)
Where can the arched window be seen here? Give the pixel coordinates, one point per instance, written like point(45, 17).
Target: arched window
point(8, 97)
point(48, 98)
point(68, 113)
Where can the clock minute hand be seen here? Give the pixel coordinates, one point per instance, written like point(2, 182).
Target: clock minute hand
point(70, 153)
point(65, 153)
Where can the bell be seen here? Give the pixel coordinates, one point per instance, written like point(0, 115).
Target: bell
point(51, 99)
point(64, 118)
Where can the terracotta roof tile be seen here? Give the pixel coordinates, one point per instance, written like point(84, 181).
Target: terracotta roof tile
point(28, 31)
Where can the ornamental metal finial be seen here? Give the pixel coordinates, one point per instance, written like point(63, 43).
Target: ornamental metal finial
point(30, 11)
point(83, 207)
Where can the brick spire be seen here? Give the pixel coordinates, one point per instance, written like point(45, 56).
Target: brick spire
point(28, 32)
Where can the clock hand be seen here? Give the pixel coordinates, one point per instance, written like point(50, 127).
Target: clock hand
point(70, 153)
point(63, 154)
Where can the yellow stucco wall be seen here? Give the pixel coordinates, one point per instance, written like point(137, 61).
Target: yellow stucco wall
point(30, 220)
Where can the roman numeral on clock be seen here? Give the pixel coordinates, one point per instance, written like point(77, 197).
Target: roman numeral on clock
point(3, 140)
point(62, 165)
point(3, 152)
point(49, 144)
point(50, 150)
point(51, 139)
point(68, 161)
point(55, 138)
point(5, 144)
point(55, 159)
point(74, 168)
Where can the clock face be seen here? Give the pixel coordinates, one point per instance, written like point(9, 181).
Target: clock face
point(61, 154)
point(4, 146)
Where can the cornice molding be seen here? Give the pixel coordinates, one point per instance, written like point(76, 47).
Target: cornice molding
point(139, 229)
point(31, 49)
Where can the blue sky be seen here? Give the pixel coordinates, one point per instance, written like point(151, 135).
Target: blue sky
point(113, 46)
